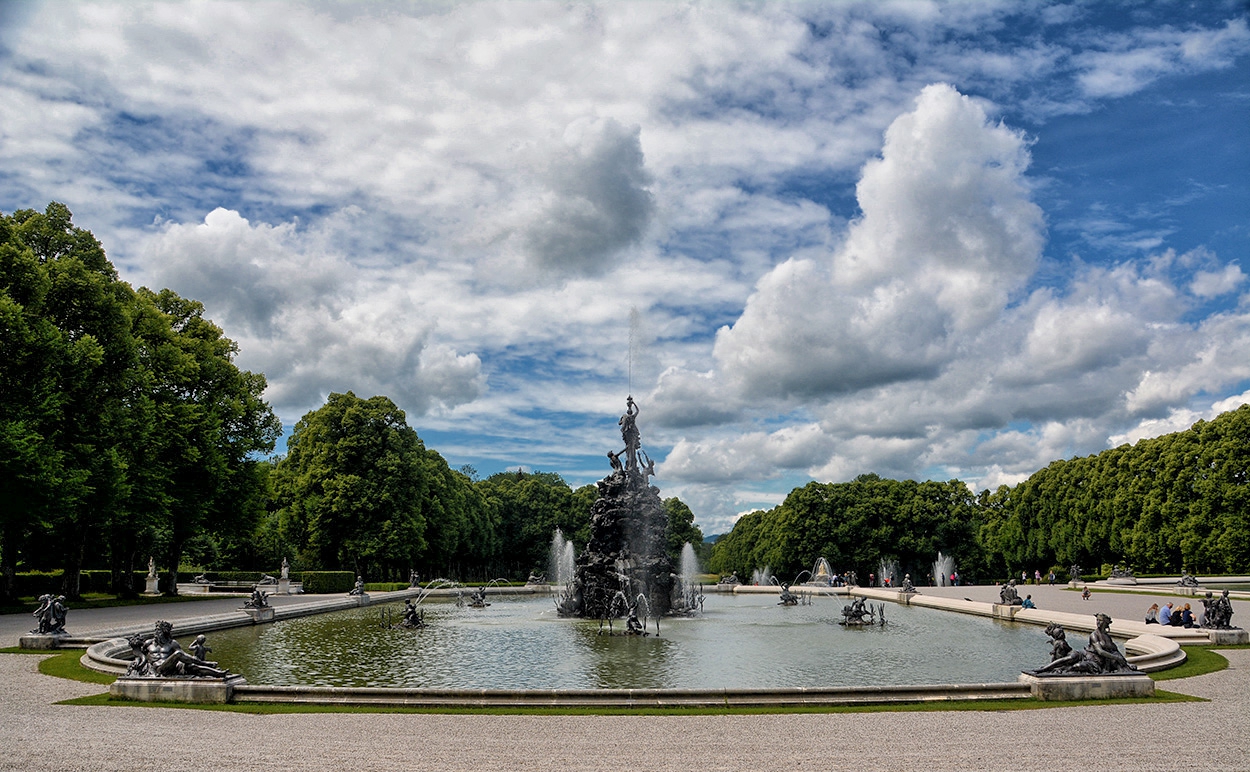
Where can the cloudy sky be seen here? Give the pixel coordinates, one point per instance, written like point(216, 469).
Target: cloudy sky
point(926, 240)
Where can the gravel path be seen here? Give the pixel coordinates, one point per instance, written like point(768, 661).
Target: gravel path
point(36, 734)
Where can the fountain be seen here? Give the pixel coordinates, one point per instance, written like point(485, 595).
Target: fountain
point(762, 576)
point(626, 553)
point(887, 573)
point(822, 574)
point(943, 568)
point(688, 592)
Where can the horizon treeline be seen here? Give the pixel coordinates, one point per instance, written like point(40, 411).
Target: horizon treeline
point(126, 430)
point(1176, 502)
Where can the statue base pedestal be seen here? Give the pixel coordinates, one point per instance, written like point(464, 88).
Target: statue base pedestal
point(362, 599)
point(39, 641)
point(284, 586)
point(1229, 637)
point(260, 615)
point(152, 586)
point(1188, 591)
point(1088, 687)
point(194, 690)
point(1005, 611)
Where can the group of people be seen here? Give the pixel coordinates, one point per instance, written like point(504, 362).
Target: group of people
point(1217, 613)
point(1037, 577)
point(1174, 616)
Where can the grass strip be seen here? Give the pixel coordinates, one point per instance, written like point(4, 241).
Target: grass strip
point(65, 663)
point(908, 707)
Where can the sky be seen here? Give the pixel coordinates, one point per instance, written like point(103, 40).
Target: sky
point(813, 240)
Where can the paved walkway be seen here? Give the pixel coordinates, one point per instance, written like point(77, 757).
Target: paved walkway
point(36, 734)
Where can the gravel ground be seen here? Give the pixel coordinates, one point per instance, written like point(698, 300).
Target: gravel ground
point(37, 734)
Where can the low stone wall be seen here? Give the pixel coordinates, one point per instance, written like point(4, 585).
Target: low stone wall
point(628, 698)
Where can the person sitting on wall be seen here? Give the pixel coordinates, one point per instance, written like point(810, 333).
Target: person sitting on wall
point(1187, 617)
point(1152, 614)
point(1028, 602)
point(1165, 614)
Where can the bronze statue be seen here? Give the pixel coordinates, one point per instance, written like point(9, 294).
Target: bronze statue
point(1100, 655)
point(163, 657)
point(630, 434)
point(1008, 596)
point(51, 615)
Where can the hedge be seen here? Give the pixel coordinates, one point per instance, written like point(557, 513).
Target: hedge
point(325, 582)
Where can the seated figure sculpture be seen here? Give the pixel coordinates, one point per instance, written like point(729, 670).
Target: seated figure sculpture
point(1008, 596)
point(259, 599)
point(359, 589)
point(1099, 657)
point(907, 585)
point(163, 657)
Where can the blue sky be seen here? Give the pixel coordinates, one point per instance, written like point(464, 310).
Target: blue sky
point(926, 240)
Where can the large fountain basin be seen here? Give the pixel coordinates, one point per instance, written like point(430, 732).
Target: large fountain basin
point(740, 642)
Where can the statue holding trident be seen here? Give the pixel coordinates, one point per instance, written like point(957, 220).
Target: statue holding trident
point(629, 433)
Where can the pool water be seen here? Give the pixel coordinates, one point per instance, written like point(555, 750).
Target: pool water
point(744, 641)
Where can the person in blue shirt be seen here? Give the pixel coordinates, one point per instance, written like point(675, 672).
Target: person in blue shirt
point(1165, 614)
point(1028, 602)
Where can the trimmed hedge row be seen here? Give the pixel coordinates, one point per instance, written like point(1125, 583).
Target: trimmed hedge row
point(36, 583)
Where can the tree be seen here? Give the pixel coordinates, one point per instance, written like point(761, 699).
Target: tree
point(122, 414)
point(530, 507)
point(352, 487)
point(681, 528)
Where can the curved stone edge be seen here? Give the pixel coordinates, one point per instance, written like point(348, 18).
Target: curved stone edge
point(104, 656)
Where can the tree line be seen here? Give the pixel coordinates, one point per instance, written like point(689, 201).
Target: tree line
point(1179, 501)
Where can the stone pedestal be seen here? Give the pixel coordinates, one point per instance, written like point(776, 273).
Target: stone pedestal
point(37, 641)
point(152, 586)
point(1189, 591)
point(1229, 637)
point(1005, 611)
point(362, 599)
point(193, 690)
point(259, 615)
point(284, 586)
point(1091, 687)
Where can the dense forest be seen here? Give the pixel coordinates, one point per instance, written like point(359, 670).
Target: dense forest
point(126, 430)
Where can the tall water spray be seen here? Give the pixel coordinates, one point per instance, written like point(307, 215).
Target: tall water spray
point(689, 566)
point(562, 560)
point(888, 569)
point(943, 567)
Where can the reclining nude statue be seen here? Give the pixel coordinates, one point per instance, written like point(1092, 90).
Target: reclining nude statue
point(1100, 655)
point(163, 657)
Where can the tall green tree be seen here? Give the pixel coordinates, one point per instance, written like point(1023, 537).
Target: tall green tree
point(122, 415)
point(355, 489)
